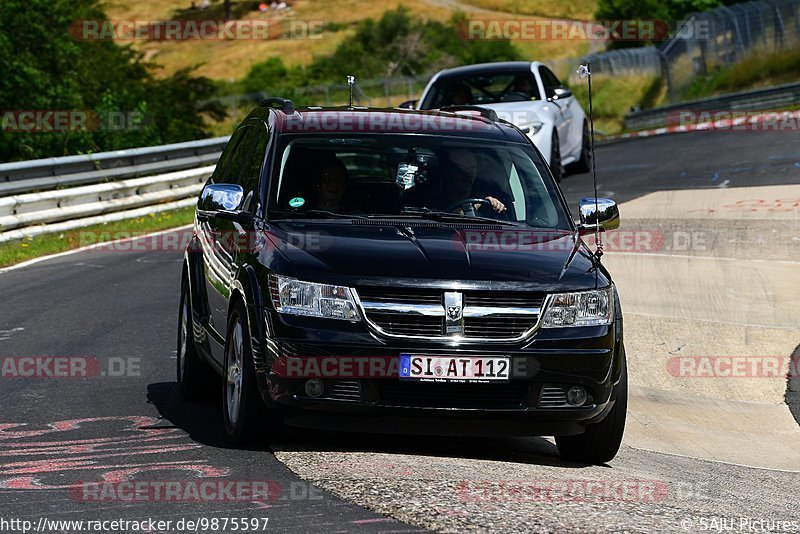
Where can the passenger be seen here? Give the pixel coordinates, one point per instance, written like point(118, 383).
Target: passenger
point(462, 96)
point(331, 186)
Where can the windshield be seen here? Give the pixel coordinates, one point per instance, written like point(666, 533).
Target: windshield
point(484, 88)
point(403, 175)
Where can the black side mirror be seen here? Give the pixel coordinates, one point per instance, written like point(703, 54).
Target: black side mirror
point(408, 104)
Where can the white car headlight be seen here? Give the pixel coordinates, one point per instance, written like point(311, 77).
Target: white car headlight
point(584, 308)
point(296, 297)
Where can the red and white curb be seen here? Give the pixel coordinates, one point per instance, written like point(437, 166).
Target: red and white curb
point(771, 121)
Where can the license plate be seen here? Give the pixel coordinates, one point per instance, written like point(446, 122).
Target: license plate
point(454, 368)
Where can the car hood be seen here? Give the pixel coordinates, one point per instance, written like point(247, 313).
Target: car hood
point(426, 253)
point(521, 113)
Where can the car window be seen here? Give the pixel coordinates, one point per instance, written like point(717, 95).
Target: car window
point(549, 80)
point(483, 88)
point(379, 175)
point(248, 173)
point(231, 159)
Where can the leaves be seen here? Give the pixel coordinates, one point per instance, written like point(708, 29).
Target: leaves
point(46, 67)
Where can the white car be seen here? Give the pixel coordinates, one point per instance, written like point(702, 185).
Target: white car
point(526, 94)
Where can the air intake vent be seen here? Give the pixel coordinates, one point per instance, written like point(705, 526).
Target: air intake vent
point(553, 397)
point(346, 390)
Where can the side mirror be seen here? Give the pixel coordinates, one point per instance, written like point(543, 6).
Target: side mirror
point(602, 211)
point(223, 201)
point(408, 104)
point(560, 92)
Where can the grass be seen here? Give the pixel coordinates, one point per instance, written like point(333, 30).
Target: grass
point(614, 96)
point(33, 247)
point(228, 60)
point(231, 60)
point(761, 69)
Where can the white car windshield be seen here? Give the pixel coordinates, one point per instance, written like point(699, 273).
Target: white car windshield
point(483, 88)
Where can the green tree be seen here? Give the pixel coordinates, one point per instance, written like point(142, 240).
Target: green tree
point(397, 44)
point(47, 65)
point(670, 12)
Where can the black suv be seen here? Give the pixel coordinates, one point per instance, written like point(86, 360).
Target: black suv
point(390, 270)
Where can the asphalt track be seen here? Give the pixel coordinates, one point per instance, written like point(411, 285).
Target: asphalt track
point(119, 309)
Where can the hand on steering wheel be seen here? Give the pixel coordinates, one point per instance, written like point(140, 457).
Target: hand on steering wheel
point(468, 205)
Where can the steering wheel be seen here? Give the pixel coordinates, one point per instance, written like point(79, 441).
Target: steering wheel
point(469, 205)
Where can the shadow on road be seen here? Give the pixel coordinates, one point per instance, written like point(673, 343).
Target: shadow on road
point(533, 450)
point(202, 420)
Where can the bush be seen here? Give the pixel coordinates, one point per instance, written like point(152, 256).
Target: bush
point(395, 45)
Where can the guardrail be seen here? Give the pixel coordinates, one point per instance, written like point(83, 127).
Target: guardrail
point(56, 194)
point(772, 99)
point(52, 173)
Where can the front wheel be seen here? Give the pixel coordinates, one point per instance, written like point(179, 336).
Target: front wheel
point(601, 441)
point(584, 163)
point(246, 417)
point(193, 376)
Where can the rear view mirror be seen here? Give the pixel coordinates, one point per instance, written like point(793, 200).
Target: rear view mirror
point(408, 104)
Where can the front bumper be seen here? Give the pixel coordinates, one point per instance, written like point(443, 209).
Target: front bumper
point(554, 359)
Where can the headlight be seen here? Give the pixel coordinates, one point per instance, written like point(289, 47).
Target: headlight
point(314, 300)
point(586, 308)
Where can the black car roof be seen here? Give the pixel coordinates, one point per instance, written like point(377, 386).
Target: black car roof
point(343, 119)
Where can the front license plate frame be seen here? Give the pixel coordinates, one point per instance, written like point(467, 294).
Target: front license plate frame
point(458, 369)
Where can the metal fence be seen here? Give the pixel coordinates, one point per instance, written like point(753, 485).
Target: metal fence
point(58, 194)
point(387, 91)
point(374, 93)
point(708, 40)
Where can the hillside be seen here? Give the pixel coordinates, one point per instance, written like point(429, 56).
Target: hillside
point(230, 60)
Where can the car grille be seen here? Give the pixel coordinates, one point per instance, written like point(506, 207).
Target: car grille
point(452, 395)
point(419, 312)
point(500, 327)
point(408, 325)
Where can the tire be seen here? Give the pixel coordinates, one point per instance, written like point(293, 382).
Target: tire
point(245, 415)
point(584, 163)
point(555, 158)
point(601, 441)
point(192, 375)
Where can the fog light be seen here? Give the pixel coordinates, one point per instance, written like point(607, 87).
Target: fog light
point(576, 396)
point(315, 387)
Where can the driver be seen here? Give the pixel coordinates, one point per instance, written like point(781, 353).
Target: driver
point(523, 84)
point(462, 96)
point(460, 180)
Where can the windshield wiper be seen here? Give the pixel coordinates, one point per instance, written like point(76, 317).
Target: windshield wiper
point(446, 215)
point(319, 214)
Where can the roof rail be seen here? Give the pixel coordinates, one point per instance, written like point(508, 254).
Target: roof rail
point(486, 113)
point(284, 104)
